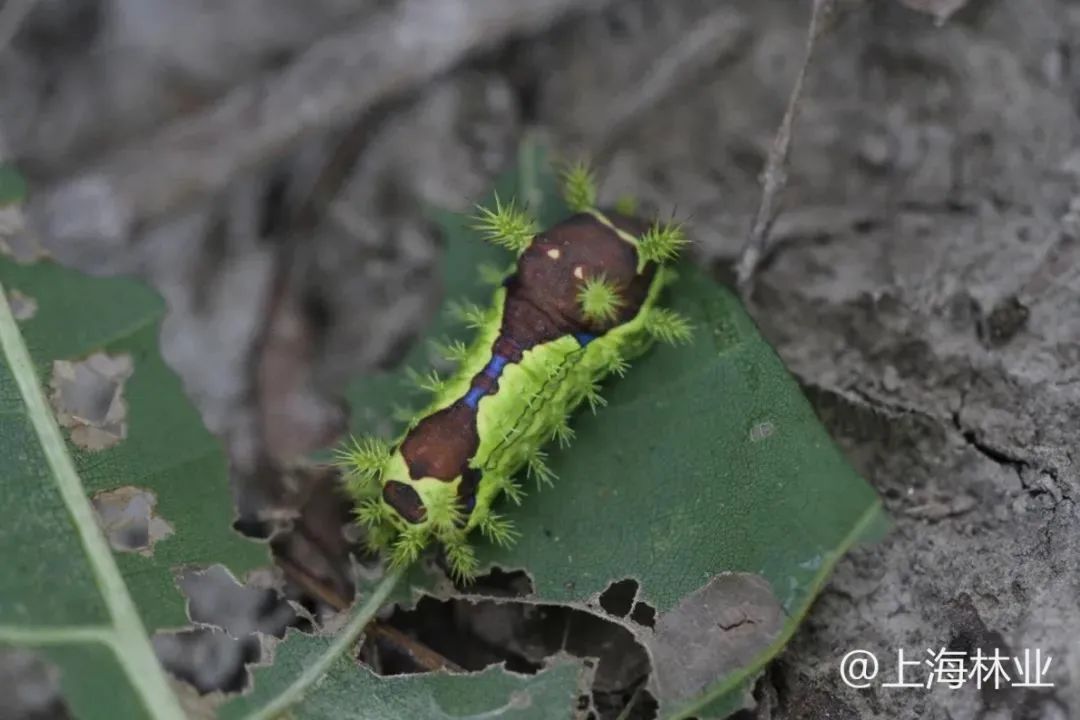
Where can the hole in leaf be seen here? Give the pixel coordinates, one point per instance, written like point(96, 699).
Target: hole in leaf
point(619, 597)
point(762, 430)
point(500, 583)
point(87, 396)
point(473, 635)
point(238, 623)
point(254, 528)
point(445, 628)
point(644, 614)
point(31, 686)
point(126, 516)
point(208, 659)
point(23, 307)
point(216, 598)
point(643, 706)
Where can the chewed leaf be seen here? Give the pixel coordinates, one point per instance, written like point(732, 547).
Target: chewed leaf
point(112, 480)
point(491, 693)
point(676, 482)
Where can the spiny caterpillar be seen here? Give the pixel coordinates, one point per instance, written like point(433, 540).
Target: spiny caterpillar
point(582, 300)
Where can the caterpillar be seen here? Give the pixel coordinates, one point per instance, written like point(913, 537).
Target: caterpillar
point(581, 301)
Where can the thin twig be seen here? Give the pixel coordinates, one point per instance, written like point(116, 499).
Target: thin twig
point(624, 714)
point(312, 584)
point(424, 657)
point(774, 177)
point(342, 642)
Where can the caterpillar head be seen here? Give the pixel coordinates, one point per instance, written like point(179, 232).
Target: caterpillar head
point(423, 491)
point(404, 514)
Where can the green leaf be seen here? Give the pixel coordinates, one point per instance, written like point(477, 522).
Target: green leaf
point(707, 477)
point(351, 692)
point(314, 677)
point(89, 347)
point(12, 185)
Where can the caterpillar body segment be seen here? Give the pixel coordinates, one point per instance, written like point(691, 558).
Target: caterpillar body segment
point(582, 301)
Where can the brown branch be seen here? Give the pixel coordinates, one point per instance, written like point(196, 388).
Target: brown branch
point(312, 585)
point(424, 657)
point(774, 178)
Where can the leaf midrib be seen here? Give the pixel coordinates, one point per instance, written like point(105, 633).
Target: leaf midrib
point(126, 636)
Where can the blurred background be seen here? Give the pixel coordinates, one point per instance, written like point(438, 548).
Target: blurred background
point(267, 166)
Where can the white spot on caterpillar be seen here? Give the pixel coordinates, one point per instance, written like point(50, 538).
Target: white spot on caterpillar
point(579, 272)
point(553, 253)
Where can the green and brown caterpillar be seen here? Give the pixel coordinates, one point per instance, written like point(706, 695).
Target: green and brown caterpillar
point(581, 301)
